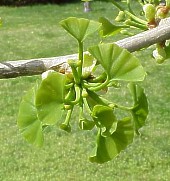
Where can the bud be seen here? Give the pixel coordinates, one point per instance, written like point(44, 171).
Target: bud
point(150, 11)
point(162, 12)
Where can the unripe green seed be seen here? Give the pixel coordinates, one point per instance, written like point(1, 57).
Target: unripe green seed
point(84, 93)
point(67, 107)
point(65, 127)
point(120, 17)
point(150, 11)
point(125, 32)
point(79, 63)
point(128, 21)
point(72, 63)
point(112, 105)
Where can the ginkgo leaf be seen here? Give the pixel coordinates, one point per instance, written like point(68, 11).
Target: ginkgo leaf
point(28, 122)
point(80, 28)
point(140, 109)
point(103, 116)
point(118, 63)
point(50, 98)
point(109, 147)
point(108, 28)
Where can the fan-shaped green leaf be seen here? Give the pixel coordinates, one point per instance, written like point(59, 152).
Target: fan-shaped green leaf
point(109, 147)
point(118, 63)
point(140, 109)
point(108, 28)
point(28, 122)
point(103, 116)
point(80, 28)
point(50, 98)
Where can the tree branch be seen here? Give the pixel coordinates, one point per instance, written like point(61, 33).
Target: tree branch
point(147, 38)
point(11, 69)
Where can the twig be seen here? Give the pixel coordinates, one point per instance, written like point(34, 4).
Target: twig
point(12, 69)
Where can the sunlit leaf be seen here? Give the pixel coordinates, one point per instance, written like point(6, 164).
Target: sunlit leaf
point(80, 28)
point(140, 109)
point(118, 63)
point(50, 98)
point(108, 28)
point(28, 122)
point(109, 147)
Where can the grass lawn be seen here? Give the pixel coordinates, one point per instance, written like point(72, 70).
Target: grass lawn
point(34, 32)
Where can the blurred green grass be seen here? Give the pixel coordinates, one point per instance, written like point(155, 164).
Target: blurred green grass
point(34, 32)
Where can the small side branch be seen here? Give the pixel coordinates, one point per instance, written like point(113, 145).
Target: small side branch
point(12, 69)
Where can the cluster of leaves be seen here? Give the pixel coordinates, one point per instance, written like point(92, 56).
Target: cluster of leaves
point(80, 85)
point(55, 97)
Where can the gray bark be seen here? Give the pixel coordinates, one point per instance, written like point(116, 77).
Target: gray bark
point(147, 38)
point(11, 69)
